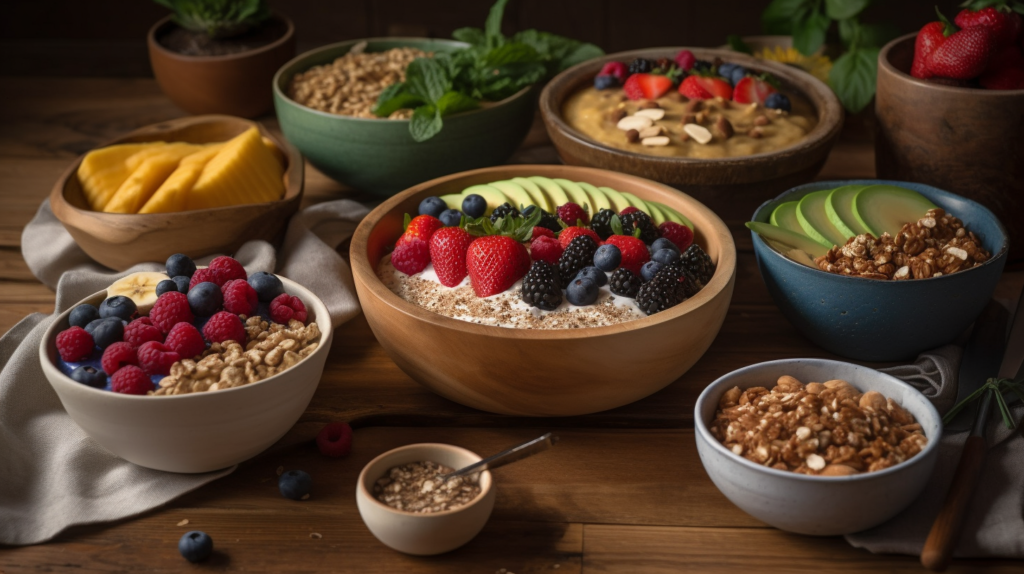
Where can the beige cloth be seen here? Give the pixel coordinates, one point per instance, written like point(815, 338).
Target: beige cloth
point(51, 474)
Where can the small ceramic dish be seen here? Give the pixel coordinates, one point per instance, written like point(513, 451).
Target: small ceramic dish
point(807, 504)
point(121, 240)
point(197, 432)
point(873, 320)
point(423, 534)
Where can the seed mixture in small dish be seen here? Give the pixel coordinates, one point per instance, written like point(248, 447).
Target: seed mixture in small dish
point(416, 488)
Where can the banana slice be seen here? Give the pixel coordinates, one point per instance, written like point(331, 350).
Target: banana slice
point(140, 287)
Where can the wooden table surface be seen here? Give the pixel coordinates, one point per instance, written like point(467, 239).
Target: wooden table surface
point(624, 491)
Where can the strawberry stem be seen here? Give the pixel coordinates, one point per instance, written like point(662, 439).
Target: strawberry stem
point(950, 28)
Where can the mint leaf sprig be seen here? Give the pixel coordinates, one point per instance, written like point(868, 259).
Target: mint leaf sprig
point(999, 388)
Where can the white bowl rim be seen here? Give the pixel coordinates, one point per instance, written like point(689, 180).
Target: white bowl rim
point(51, 333)
point(702, 429)
point(429, 446)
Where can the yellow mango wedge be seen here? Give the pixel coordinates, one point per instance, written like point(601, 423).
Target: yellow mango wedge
point(278, 154)
point(172, 194)
point(104, 170)
point(148, 177)
point(244, 171)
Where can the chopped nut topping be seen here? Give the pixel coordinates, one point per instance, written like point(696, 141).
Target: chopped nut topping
point(414, 487)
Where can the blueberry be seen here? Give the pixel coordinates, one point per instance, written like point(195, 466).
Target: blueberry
point(662, 243)
point(451, 217)
point(605, 82)
point(195, 546)
point(777, 101)
point(295, 484)
point(594, 274)
point(180, 264)
point(182, 283)
point(665, 256)
point(117, 306)
point(649, 270)
point(474, 205)
point(737, 74)
point(581, 292)
point(83, 315)
point(607, 257)
point(725, 71)
point(90, 376)
point(205, 299)
point(267, 285)
point(166, 286)
point(105, 332)
point(432, 206)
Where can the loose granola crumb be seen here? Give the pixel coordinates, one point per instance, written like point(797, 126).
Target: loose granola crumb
point(183, 522)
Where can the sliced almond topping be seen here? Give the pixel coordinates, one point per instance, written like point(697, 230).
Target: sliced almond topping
point(650, 132)
point(655, 141)
point(700, 134)
point(653, 113)
point(635, 122)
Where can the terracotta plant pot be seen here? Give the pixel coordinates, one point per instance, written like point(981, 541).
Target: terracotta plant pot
point(235, 84)
point(965, 140)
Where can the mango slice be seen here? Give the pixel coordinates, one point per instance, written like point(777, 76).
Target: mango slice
point(104, 170)
point(147, 178)
point(172, 194)
point(243, 171)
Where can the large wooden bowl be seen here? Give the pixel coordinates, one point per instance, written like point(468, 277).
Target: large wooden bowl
point(120, 240)
point(732, 187)
point(551, 372)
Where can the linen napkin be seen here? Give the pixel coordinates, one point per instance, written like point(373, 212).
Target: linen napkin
point(51, 474)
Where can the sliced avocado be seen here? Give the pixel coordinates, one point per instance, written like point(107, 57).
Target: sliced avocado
point(886, 208)
point(787, 237)
point(453, 200)
point(555, 194)
point(493, 196)
point(798, 255)
point(674, 215)
point(598, 200)
point(813, 219)
point(619, 202)
point(518, 196)
point(635, 201)
point(576, 193)
point(839, 207)
point(657, 215)
point(784, 216)
point(540, 199)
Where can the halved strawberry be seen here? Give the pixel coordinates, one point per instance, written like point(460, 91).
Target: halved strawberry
point(421, 227)
point(495, 263)
point(448, 248)
point(705, 88)
point(646, 86)
point(750, 90)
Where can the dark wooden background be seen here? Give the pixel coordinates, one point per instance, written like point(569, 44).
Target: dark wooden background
point(107, 37)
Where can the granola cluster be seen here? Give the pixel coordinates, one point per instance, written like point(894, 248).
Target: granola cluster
point(415, 487)
point(937, 244)
point(827, 429)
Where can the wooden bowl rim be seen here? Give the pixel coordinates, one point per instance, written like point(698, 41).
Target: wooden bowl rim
point(151, 40)
point(829, 124)
point(366, 274)
point(885, 65)
point(294, 173)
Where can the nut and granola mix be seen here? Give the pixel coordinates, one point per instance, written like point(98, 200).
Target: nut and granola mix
point(935, 245)
point(351, 84)
point(415, 487)
point(826, 429)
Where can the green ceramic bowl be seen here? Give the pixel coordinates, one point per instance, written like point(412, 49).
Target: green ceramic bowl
point(378, 155)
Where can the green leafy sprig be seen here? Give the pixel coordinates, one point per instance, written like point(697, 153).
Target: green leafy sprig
point(217, 18)
point(999, 388)
point(517, 227)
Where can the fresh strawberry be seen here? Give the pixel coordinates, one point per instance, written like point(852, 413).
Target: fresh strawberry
point(495, 263)
point(751, 90)
point(685, 59)
point(928, 39)
point(420, 227)
point(1006, 71)
point(1005, 25)
point(705, 88)
point(546, 249)
point(634, 251)
point(448, 253)
point(569, 233)
point(571, 212)
point(646, 86)
point(617, 69)
point(542, 232)
point(680, 235)
point(964, 55)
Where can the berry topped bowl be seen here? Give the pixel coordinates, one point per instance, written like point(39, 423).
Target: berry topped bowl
point(518, 289)
point(191, 370)
point(724, 127)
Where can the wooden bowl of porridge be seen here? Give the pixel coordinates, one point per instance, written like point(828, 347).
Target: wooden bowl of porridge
point(534, 372)
point(733, 181)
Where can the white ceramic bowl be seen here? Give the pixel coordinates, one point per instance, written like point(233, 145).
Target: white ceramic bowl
point(817, 505)
point(197, 432)
point(423, 534)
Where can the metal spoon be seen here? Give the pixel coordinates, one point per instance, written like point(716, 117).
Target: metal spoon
point(516, 453)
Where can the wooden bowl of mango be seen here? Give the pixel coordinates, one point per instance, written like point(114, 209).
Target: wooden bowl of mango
point(197, 185)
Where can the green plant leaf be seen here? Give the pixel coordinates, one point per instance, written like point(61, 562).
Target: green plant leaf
point(877, 35)
point(492, 27)
point(780, 15)
point(426, 122)
point(580, 53)
point(454, 102)
point(809, 30)
point(843, 9)
point(395, 98)
point(470, 35)
point(424, 77)
point(853, 78)
point(510, 54)
point(737, 44)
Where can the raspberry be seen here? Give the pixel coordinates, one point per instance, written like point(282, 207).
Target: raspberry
point(629, 209)
point(546, 249)
point(142, 330)
point(216, 276)
point(230, 268)
point(224, 326)
point(335, 440)
point(239, 297)
point(411, 256)
point(681, 235)
point(286, 307)
point(130, 380)
point(571, 212)
point(185, 340)
point(570, 233)
point(542, 232)
point(117, 356)
point(74, 344)
point(156, 359)
point(170, 309)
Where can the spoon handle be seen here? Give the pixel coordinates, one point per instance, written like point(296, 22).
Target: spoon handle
point(513, 454)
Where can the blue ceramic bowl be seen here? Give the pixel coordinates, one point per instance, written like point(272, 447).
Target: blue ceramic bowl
point(872, 320)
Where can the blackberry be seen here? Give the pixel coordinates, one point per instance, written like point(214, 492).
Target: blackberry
point(601, 223)
point(641, 66)
point(640, 220)
point(547, 220)
point(667, 289)
point(542, 287)
point(701, 66)
point(695, 261)
point(624, 282)
point(504, 210)
point(578, 254)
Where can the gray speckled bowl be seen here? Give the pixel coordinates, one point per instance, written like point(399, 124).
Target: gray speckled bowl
point(816, 505)
point(871, 320)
